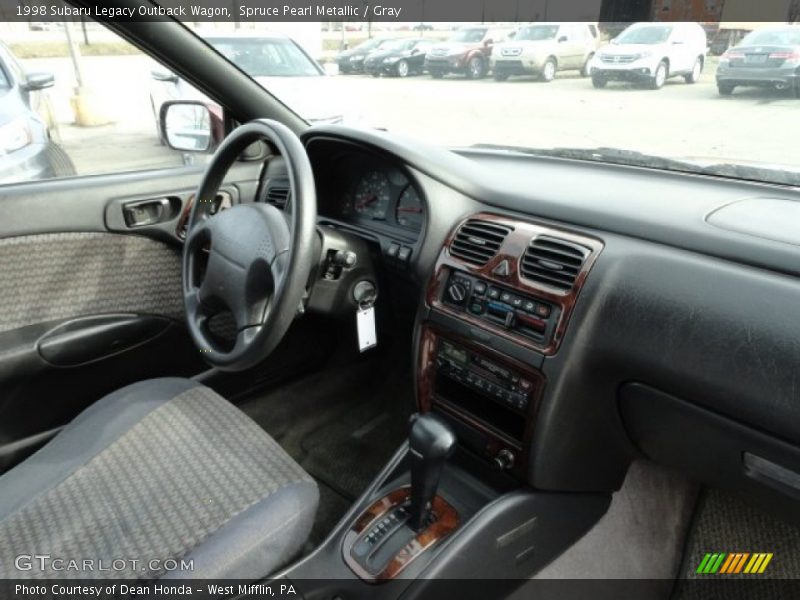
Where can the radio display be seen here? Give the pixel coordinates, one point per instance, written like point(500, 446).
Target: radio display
point(456, 354)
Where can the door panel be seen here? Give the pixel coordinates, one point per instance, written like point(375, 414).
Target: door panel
point(91, 304)
point(61, 275)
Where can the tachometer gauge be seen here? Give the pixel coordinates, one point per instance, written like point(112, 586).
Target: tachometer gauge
point(410, 212)
point(372, 195)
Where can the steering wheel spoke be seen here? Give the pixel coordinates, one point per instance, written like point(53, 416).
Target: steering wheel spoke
point(252, 259)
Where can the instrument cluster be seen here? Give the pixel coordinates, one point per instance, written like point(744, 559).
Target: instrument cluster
point(369, 191)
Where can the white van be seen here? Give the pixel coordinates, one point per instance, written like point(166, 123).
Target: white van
point(651, 53)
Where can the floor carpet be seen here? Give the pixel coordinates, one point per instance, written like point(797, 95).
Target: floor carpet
point(341, 424)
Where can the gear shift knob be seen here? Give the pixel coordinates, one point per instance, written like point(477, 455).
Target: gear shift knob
point(430, 443)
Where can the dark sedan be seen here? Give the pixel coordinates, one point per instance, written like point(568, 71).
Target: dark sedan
point(398, 57)
point(26, 151)
point(768, 57)
point(352, 61)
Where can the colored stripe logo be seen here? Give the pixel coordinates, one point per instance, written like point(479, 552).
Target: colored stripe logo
point(734, 562)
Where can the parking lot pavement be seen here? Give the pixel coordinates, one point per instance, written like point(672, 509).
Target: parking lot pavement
point(680, 120)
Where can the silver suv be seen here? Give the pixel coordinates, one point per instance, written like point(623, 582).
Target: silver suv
point(543, 49)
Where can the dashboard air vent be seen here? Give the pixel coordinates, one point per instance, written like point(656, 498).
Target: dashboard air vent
point(477, 241)
point(553, 262)
point(278, 193)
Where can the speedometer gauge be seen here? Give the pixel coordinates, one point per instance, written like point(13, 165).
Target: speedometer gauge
point(372, 195)
point(410, 212)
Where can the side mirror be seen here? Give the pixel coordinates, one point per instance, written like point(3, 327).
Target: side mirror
point(38, 81)
point(613, 41)
point(188, 126)
point(488, 42)
point(562, 39)
point(164, 75)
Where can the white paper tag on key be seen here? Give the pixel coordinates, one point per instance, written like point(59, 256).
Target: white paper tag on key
point(365, 322)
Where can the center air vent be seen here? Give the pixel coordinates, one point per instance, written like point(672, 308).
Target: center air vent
point(278, 193)
point(553, 262)
point(477, 242)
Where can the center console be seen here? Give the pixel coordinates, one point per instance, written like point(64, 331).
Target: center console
point(454, 502)
point(499, 303)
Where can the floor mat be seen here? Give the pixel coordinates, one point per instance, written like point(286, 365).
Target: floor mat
point(726, 523)
point(640, 537)
point(342, 425)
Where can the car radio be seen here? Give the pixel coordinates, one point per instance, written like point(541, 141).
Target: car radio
point(484, 378)
point(518, 313)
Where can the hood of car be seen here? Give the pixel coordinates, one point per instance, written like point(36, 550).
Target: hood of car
point(525, 44)
point(355, 52)
point(449, 48)
point(316, 99)
point(380, 55)
point(629, 49)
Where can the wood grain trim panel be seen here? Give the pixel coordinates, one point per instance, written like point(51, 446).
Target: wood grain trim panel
point(512, 250)
point(446, 522)
point(429, 340)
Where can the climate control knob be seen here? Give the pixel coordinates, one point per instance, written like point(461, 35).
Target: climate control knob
point(457, 292)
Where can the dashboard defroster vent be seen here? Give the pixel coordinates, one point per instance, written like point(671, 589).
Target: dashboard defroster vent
point(477, 242)
point(278, 194)
point(553, 262)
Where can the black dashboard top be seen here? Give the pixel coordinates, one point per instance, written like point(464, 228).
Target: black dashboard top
point(662, 206)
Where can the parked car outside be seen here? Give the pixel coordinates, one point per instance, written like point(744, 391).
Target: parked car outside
point(542, 49)
point(276, 62)
point(768, 57)
point(726, 37)
point(467, 52)
point(651, 53)
point(27, 150)
point(401, 58)
point(352, 60)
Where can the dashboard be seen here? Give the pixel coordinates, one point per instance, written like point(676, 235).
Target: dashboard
point(639, 354)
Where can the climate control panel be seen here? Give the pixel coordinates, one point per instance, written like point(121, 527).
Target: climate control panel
point(503, 307)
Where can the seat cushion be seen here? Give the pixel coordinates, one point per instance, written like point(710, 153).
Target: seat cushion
point(163, 469)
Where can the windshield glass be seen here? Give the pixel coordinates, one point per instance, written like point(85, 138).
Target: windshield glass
point(774, 37)
point(397, 45)
point(468, 36)
point(688, 107)
point(537, 32)
point(654, 34)
point(369, 44)
point(266, 57)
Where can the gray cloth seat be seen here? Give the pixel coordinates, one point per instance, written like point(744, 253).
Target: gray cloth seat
point(160, 471)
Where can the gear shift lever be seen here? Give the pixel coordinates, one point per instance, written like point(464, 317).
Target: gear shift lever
point(430, 443)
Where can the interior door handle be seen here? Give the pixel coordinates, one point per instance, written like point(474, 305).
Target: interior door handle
point(147, 212)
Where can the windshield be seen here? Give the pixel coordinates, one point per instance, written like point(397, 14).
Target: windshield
point(774, 37)
point(266, 57)
point(537, 32)
point(369, 44)
point(592, 100)
point(397, 45)
point(655, 34)
point(468, 36)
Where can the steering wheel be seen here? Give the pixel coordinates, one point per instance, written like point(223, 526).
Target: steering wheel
point(251, 259)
